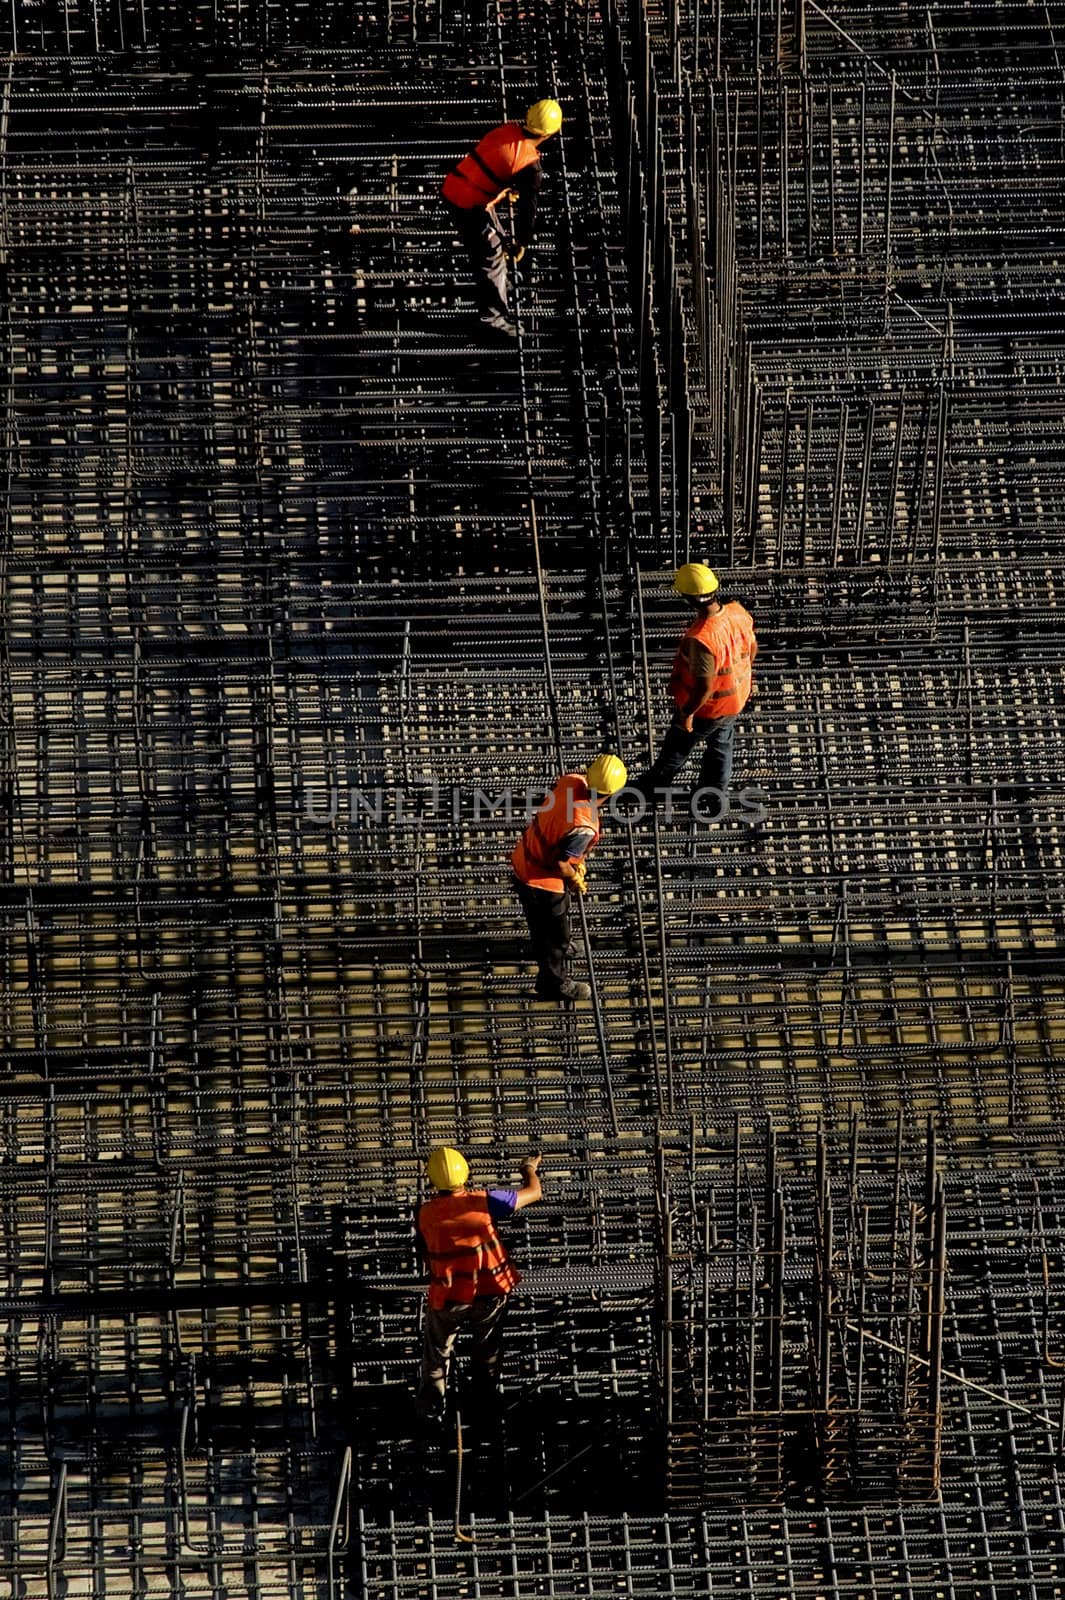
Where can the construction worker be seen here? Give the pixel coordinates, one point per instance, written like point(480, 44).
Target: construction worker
point(470, 1273)
point(548, 861)
point(504, 166)
point(710, 684)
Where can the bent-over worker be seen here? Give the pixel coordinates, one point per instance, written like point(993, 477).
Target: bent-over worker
point(504, 165)
point(548, 862)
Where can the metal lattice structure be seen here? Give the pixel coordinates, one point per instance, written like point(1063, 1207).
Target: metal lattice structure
point(295, 565)
point(802, 1329)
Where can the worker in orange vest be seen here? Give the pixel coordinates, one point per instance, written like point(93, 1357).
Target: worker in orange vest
point(710, 684)
point(548, 861)
point(470, 1274)
point(505, 165)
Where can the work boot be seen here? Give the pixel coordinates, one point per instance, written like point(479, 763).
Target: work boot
point(429, 1405)
point(501, 324)
point(567, 989)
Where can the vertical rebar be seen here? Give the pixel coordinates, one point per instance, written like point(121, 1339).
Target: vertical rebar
point(887, 203)
point(891, 510)
point(941, 461)
point(831, 172)
point(837, 492)
point(863, 1281)
point(861, 177)
point(342, 1507)
point(807, 463)
point(785, 245)
point(57, 1533)
point(921, 476)
point(754, 1323)
point(778, 1250)
point(637, 906)
point(937, 1313)
point(707, 1249)
point(825, 1286)
point(759, 173)
point(667, 1322)
point(863, 492)
point(755, 465)
point(911, 1291)
point(896, 1218)
point(809, 173)
point(735, 1239)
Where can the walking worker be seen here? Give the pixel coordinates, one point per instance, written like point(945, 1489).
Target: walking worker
point(548, 861)
point(505, 165)
point(710, 684)
point(470, 1273)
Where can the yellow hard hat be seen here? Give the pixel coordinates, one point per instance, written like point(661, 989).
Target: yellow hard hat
point(695, 580)
point(544, 118)
point(447, 1168)
point(606, 775)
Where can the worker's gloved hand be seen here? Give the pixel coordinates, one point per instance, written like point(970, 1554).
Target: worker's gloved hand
point(580, 877)
point(531, 1164)
point(516, 252)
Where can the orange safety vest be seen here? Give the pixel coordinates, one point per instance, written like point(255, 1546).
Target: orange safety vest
point(536, 857)
point(466, 1255)
point(484, 176)
point(729, 637)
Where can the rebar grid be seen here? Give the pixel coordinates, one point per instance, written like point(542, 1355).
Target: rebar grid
point(276, 531)
point(846, 278)
point(978, 1554)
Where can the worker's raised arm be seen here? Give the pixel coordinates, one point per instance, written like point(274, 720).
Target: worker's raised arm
point(531, 1189)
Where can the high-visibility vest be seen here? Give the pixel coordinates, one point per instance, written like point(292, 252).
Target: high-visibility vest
point(536, 855)
point(729, 637)
point(483, 177)
point(466, 1255)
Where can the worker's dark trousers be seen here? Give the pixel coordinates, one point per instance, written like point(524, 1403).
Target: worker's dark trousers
point(715, 769)
point(484, 1318)
point(548, 917)
point(485, 249)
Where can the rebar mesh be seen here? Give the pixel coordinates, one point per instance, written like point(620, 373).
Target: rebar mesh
point(295, 563)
